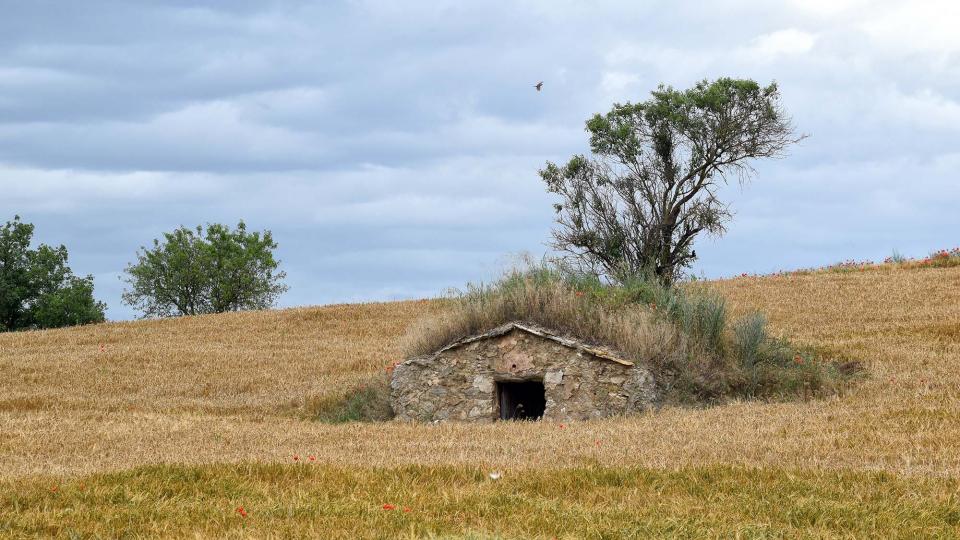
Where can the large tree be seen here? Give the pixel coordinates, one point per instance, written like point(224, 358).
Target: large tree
point(650, 187)
point(196, 271)
point(37, 288)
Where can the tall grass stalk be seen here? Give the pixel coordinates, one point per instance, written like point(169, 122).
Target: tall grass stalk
point(749, 334)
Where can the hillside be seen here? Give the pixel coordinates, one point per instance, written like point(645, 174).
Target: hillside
point(235, 388)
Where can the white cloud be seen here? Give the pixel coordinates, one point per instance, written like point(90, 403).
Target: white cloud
point(420, 210)
point(830, 7)
point(30, 76)
point(923, 109)
point(181, 139)
point(907, 27)
point(615, 85)
point(782, 42)
point(65, 190)
point(650, 61)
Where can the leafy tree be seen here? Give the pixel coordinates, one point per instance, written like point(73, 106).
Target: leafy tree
point(196, 271)
point(37, 288)
point(651, 185)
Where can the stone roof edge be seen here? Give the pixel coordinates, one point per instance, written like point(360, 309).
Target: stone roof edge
point(541, 332)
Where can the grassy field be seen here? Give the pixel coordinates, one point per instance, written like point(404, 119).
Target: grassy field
point(166, 427)
point(583, 502)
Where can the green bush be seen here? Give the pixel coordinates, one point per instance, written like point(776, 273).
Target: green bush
point(749, 335)
point(363, 403)
point(37, 287)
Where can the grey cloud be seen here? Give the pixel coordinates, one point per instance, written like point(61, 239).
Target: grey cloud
point(393, 147)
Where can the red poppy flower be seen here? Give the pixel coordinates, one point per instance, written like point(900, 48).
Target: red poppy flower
point(579, 293)
point(312, 458)
point(241, 511)
point(389, 507)
point(296, 457)
point(406, 508)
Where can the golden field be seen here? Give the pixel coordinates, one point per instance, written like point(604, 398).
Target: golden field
point(171, 424)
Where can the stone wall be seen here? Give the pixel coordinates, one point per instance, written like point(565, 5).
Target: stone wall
point(460, 383)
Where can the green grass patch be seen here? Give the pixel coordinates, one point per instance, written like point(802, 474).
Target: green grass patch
point(368, 402)
point(414, 502)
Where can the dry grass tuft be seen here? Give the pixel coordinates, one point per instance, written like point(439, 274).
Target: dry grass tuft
point(542, 297)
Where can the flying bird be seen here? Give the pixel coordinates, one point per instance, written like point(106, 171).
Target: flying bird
point(538, 86)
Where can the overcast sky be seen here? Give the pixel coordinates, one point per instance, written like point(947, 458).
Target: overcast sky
point(393, 147)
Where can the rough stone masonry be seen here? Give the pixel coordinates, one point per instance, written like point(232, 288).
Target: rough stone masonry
point(465, 380)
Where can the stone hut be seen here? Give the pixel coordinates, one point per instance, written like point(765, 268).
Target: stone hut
point(519, 371)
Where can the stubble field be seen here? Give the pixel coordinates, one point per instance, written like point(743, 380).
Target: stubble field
point(169, 427)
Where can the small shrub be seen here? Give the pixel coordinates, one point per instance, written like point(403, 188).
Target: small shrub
point(363, 403)
point(703, 317)
point(943, 258)
point(749, 335)
point(808, 377)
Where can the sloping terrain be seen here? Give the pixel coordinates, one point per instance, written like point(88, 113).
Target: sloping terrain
point(197, 393)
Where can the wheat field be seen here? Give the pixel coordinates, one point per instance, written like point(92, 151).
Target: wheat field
point(165, 403)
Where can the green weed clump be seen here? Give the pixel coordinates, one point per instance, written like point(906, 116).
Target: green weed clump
point(369, 402)
point(683, 333)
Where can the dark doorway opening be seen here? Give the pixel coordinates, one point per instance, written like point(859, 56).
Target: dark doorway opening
point(521, 400)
